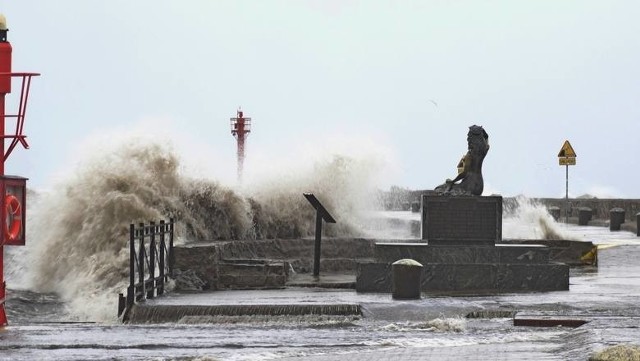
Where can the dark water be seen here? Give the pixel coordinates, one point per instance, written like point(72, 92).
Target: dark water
point(42, 327)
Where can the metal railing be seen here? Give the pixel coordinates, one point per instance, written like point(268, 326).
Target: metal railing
point(150, 263)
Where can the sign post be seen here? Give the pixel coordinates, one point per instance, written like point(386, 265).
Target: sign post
point(566, 157)
point(321, 213)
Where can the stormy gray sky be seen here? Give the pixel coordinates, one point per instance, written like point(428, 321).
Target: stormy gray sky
point(401, 80)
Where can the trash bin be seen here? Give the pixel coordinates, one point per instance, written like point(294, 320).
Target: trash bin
point(406, 276)
point(584, 215)
point(415, 207)
point(554, 212)
point(616, 218)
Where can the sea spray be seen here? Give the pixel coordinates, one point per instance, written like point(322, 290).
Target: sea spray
point(526, 218)
point(341, 183)
point(451, 324)
point(80, 236)
point(210, 211)
point(78, 244)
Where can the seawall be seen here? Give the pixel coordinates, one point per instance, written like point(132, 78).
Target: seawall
point(599, 206)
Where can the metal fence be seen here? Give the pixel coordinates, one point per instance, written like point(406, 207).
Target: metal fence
point(150, 263)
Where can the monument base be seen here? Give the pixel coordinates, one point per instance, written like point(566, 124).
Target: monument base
point(470, 270)
point(449, 278)
point(426, 253)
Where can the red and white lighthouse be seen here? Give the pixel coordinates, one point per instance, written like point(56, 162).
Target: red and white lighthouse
point(13, 189)
point(240, 128)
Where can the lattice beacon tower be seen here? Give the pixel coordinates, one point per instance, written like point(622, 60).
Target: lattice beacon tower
point(13, 189)
point(240, 128)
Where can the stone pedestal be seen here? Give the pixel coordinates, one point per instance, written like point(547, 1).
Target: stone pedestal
point(461, 220)
point(460, 255)
point(467, 269)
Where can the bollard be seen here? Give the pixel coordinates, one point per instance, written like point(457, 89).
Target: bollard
point(554, 212)
point(415, 207)
point(407, 275)
point(616, 218)
point(638, 224)
point(584, 215)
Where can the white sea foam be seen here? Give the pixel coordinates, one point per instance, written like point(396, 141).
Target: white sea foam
point(78, 234)
point(455, 324)
point(528, 219)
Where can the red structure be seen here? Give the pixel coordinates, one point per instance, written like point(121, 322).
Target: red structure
point(240, 127)
point(13, 189)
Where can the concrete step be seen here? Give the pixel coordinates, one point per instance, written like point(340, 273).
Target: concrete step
point(249, 267)
point(324, 280)
point(251, 274)
point(144, 313)
point(305, 264)
point(332, 265)
point(548, 319)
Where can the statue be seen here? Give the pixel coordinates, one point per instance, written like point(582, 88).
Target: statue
point(470, 176)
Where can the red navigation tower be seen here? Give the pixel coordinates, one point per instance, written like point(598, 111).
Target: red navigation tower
point(13, 189)
point(240, 127)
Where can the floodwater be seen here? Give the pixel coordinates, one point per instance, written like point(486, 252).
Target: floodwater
point(42, 329)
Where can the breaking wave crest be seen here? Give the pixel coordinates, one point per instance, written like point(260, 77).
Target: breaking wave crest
point(78, 234)
point(528, 219)
point(455, 324)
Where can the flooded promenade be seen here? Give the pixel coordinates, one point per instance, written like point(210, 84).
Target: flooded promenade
point(430, 328)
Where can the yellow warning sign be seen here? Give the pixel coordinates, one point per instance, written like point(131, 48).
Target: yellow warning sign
point(567, 150)
point(567, 161)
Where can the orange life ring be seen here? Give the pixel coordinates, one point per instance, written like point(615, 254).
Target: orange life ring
point(14, 217)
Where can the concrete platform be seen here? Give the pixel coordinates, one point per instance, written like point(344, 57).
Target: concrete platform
point(475, 269)
point(456, 279)
point(606, 297)
point(426, 253)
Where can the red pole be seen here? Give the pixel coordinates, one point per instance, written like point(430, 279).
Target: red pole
point(5, 87)
point(3, 284)
point(18, 184)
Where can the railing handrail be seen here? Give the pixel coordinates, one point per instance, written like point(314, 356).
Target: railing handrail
point(150, 279)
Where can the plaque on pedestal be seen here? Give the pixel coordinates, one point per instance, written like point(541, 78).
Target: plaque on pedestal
point(461, 220)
